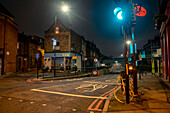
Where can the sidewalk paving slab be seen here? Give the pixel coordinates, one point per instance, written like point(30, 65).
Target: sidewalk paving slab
point(154, 99)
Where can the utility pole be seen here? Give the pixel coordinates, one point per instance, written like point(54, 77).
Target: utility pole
point(126, 68)
point(134, 63)
point(54, 61)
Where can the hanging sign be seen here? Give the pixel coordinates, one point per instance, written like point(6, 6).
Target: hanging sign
point(140, 11)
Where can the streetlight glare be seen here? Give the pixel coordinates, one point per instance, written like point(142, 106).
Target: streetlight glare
point(128, 42)
point(65, 8)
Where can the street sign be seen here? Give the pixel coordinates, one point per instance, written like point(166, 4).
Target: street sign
point(95, 60)
point(74, 57)
point(54, 42)
point(37, 55)
point(140, 11)
point(94, 72)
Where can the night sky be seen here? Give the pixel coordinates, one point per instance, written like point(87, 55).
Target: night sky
point(92, 19)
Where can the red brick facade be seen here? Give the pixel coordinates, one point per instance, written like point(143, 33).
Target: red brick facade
point(8, 43)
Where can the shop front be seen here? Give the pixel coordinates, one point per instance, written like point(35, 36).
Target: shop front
point(63, 61)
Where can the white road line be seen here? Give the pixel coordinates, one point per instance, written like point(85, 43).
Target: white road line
point(67, 94)
point(100, 82)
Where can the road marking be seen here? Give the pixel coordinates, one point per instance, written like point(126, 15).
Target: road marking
point(74, 109)
point(44, 104)
point(103, 95)
point(67, 94)
point(101, 83)
point(31, 102)
point(91, 87)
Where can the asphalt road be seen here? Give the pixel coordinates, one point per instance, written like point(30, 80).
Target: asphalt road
point(80, 95)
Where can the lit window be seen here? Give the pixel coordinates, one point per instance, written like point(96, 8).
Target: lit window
point(57, 30)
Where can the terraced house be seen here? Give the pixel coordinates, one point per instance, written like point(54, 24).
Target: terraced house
point(8, 41)
point(70, 50)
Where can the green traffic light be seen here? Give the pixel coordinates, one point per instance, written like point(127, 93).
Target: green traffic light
point(118, 13)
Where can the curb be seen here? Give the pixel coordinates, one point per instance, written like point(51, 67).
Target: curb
point(58, 78)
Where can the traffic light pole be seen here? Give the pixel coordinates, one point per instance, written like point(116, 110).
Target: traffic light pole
point(134, 63)
point(126, 68)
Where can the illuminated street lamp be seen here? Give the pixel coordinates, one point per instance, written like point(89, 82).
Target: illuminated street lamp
point(128, 42)
point(65, 8)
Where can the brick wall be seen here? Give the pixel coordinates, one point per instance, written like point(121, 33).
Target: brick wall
point(76, 41)
point(11, 35)
point(62, 38)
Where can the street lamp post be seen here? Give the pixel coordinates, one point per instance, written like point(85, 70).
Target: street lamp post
point(126, 67)
point(54, 46)
point(56, 30)
point(134, 63)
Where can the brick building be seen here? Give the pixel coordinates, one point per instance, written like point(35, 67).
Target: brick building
point(71, 48)
point(163, 25)
point(91, 52)
point(27, 48)
point(8, 41)
point(69, 44)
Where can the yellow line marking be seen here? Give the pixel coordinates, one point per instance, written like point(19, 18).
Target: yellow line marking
point(74, 110)
point(44, 104)
point(59, 107)
point(67, 94)
point(31, 102)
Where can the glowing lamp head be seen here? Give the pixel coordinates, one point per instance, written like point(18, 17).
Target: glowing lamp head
point(128, 42)
point(65, 8)
point(130, 68)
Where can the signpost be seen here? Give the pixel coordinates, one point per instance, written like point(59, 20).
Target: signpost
point(94, 73)
point(95, 60)
point(54, 47)
point(140, 11)
point(37, 56)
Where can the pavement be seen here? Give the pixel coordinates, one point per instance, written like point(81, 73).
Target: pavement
point(32, 76)
point(154, 97)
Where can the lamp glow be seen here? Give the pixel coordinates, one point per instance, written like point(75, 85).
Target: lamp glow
point(128, 42)
point(65, 8)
